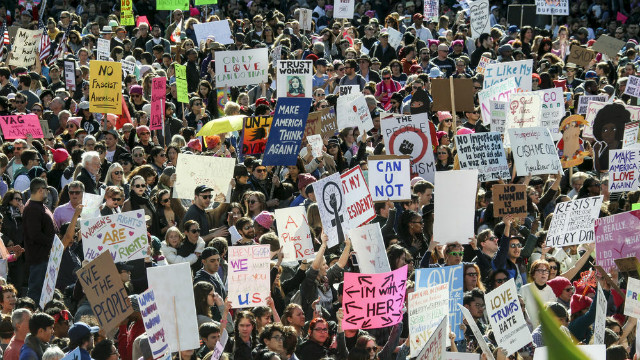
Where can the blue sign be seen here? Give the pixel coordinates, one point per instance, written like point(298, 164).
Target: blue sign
point(287, 130)
point(454, 276)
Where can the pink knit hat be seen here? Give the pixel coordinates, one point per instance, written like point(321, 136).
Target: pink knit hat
point(265, 219)
point(443, 115)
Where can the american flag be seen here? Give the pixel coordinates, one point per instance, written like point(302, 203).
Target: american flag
point(62, 47)
point(45, 42)
point(5, 39)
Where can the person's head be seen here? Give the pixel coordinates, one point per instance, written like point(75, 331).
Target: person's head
point(488, 241)
point(38, 188)
point(368, 344)
point(474, 302)
point(192, 230)
point(453, 254)
point(8, 295)
point(497, 278)
point(91, 162)
point(202, 196)
point(539, 272)
point(105, 350)
point(203, 293)
point(293, 315)
point(259, 171)
point(562, 288)
point(472, 277)
point(424, 190)
point(81, 335)
point(209, 333)
point(397, 256)
point(20, 321)
point(244, 225)
point(272, 336)
point(173, 237)
point(41, 326)
point(515, 247)
point(138, 185)
point(210, 258)
point(29, 158)
point(53, 353)
point(245, 325)
point(318, 330)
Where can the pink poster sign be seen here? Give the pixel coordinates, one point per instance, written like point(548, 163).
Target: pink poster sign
point(616, 238)
point(18, 126)
point(372, 301)
point(158, 98)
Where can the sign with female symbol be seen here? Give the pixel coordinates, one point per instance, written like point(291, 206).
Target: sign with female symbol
point(331, 208)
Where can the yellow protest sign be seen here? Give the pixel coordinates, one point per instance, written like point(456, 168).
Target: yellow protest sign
point(181, 83)
point(105, 90)
point(126, 13)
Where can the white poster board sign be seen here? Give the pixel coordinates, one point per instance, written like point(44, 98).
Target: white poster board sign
point(353, 111)
point(483, 152)
point(623, 170)
point(316, 145)
point(219, 29)
point(358, 201)
point(343, 9)
point(454, 219)
point(476, 332)
point(305, 19)
point(294, 234)
point(124, 235)
point(370, 251)
point(195, 170)
point(249, 282)
point(498, 111)
point(519, 70)
point(435, 347)
point(104, 49)
point(534, 151)
point(552, 110)
point(332, 208)
point(25, 47)
point(632, 304)
point(560, 7)
point(573, 222)
point(427, 306)
point(601, 316)
point(153, 323)
point(480, 23)
point(51, 276)
point(583, 102)
point(498, 92)
point(390, 177)
point(395, 37)
point(242, 67)
point(295, 78)
point(506, 318)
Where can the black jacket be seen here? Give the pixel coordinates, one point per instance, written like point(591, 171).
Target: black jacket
point(90, 185)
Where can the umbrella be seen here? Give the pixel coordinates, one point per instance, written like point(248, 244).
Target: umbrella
point(222, 125)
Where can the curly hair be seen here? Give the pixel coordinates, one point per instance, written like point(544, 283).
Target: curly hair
point(615, 114)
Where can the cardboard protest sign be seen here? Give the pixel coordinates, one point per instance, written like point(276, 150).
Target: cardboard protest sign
point(476, 332)
point(241, 67)
point(181, 83)
point(482, 65)
point(552, 110)
point(436, 346)
point(412, 135)
point(608, 131)
point(105, 291)
point(632, 302)
point(70, 74)
point(369, 246)
point(295, 78)
point(316, 145)
point(173, 291)
point(19, 126)
point(51, 276)
point(591, 352)
point(523, 110)
point(498, 111)
point(372, 301)
point(194, 170)
point(348, 89)
point(615, 238)
point(584, 100)
point(353, 112)
point(593, 107)
point(480, 23)
point(623, 170)
point(427, 307)
point(580, 55)
point(158, 98)
point(633, 86)
point(506, 318)
point(534, 151)
point(483, 152)
point(104, 49)
point(172, 5)
point(287, 128)
point(153, 323)
point(431, 9)
point(560, 7)
point(256, 131)
point(343, 9)
point(461, 356)
point(314, 125)
point(358, 201)
point(608, 45)
point(463, 93)
point(328, 122)
point(631, 131)
point(509, 199)
point(219, 29)
point(249, 284)
point(519, 70)
point(105, 89)
point(122, 235)
point(601, 316)
point(25, 47)
point(305, 19)
point(573, 222)
point(628, 264)
point(390, 177)
point(294, 234)
point(463, 183)
point(332, 208)
point(498, 92)
point(454, 276)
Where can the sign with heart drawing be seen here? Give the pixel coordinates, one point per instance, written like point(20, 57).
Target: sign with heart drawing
point(479, 11)
point(124, 235)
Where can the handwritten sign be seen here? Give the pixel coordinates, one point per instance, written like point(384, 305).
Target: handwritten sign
point(580, 55)
point(623, 170)
point(630, 138)
point(583, 103)
point(632, 303)
point(316, 145)
point(370, 251)
point(25, 47)
point(19, 126)
point(523, 110)
point(51, 276)
point(436, 347)
point(241, 67)
point(358, 201)
point(573, 222)
point(431, 9)
point(314, 124)
point(616, 238)
point(128, 67)
point(454, 219)
point(348, 90)
point(286, 131)
point(427, 307)
point(181, 83)
point(172, 5)
point(126, 13)
point(70, 74)
point(552, 110)
point(105, 291)
point(105, 90)
point(483, 152)
point(158, 98)
point(194, 170)
point(534, 151)
point(332, 208)
point(482, 64)
point(295, 78)
point(354, 112)
point(509, 199)
point(453, 275)
point(249, 283)
point(343, 9)
point(560, 7)
point(220, 29)
point(476, 332)
point(519, 70)
point(122, 235)
point(294, 234)
point(498, 111)
point(633, 86)
point(608, 45)
point(390, 177)
point(305, 19)
point(153, 323)
point(104, 49)
point(372, 301)
point(601, 316)
point(480, 23)
point(256, 130)
point(498, 92)
point(506, 318)
point(329, 122)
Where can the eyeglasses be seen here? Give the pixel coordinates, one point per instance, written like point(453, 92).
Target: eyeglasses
point(515, 246)
point(138, 155)
point(474, 274)
point(448, 120)
point(116, 199)
point(252, 201)
point(75, 192)
point(386, 78)
point(162, 155)
point(138, 186)
point(247, 228)
point(553, 267)
point(372, 349)
point(278, 338)
point(478, 87)
point(206, 197)
point(194, 231)
point(480, 306)
point(118, 172)
point(500, 281)
point(456, 253)
point(542, 271)
point(136, 95)
point(197, 104)
point(164, 201)
point(321, 329)
point(260, 170)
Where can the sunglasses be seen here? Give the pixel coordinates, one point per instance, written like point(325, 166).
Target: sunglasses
point(116, 199)
point(194, 231)
point(500, 281)
point(206, 197)
point(553, 267)
point(76, 192)
point(474, 274)
point(118, 172)
point(456, 253)
point(570, 289)
point(515, 246)
point(138, 186)
point(386, 78)
point(164, 201)
point(260, 170)
point(252, 201)
point(138, 155)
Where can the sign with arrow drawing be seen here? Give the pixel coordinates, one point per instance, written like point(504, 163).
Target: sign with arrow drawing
point(372, 301)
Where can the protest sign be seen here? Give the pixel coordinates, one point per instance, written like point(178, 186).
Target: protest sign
point(480, 23)
point(498, 92)
point(105, 91)
point(369, 246)
point(476, 332)
point(353, 112)
point(483, 152)
point(122, 235)
point(373, 301)
point(623, 170)
point(153, 323)
point(534, 151)
point(256, 131)
point(194, 170)
point(358, 201)
point(601, 316)
point(105, 291)
point(463, 94)
point(25, 47)
point(580, 55)
point(431, 10)
point(332, 208)
point(128, 67)
point(631, 131)
point(19, 126)
point(70, 74)
point(573, 222)
point(104, 49)
point(158, 98)
point(559, 7)
point(395, 37)
point(412, 135)
point(633, 86)
point(627, 264)
point(91, 205)
point(482, 65)
point(608, 45)
point(126, 13)
point(328, 122)
point(181, 83)
point(51, 276)
point(286, 131)
point(506, 318)
point(249, 284)
point(583, 103)
point(519, 70)
point(453, 275)
point(632, 303)
point(343, 9)
point(591, 352)
point(241, 67)
point(219, 29)
point(73, 355)
point(552, 110)
point(316, 145)
point(454, 219)
point(314, 125)
point(173, 290)
point(616, 238)
point(305, 19)
point(509, 199)
point(294, 234)
point(436, 346)
point(295, 78)
point(172, 5)
point(348, 89)
point(220, 345)
point(427, 307)
point(523, 111)
point(498, 111)
point(390, 177)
